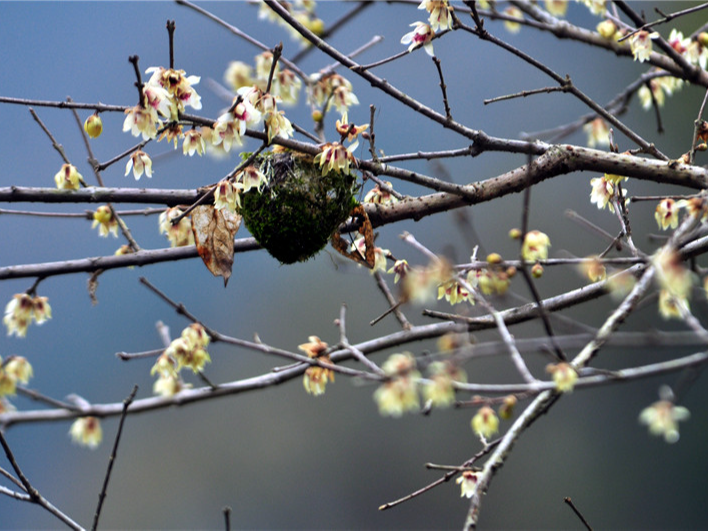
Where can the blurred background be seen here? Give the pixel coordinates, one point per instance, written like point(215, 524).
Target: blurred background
point(281, 458)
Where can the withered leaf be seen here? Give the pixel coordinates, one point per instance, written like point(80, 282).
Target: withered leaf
point(214, 232)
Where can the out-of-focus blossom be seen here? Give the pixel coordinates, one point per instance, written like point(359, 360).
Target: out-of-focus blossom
point(87, 431)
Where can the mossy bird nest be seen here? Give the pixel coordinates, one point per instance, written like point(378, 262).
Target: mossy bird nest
point(295, 215)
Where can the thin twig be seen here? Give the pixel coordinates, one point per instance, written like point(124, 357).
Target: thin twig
point(112, 458)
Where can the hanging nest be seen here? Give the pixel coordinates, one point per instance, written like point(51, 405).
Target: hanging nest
point(295, 215)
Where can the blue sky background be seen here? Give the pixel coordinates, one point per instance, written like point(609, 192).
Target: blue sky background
point(281, 458)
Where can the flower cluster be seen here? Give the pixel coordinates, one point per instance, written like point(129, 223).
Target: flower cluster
point(14, 370)
point(301, 10)
point(439, 389)
point(331, 89)
point(535, 246)
point(22, 310)
point(675, 281)
point(316, 377)
point(399, 393)
point(179, 234)
point(188, 350)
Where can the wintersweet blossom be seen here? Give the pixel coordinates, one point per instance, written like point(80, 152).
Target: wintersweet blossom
point(490, 281)
point(68, 178)
point(422, 35)
point(607, 29)
point(557, 8)
point(335, 157)
point(602, 193)
point(485, 423)
point(535, 246)
point(667, 213)
point(164, 366)
point(332, 89)
point(8, 385)
point(18, 368)
point(139, 162)
point(106, 221)
point(380, 254)
point(467, 482)
point(598, 133)
point(193, 143)
point(671, 307)
point(593, 268)
point(516, 13)
point(172, 133)
point(141, 121)
point(662, 418)
point(640, 43)
point(399, 394)
point(278, 125)
point(671, 273)
point(439, 389)
point(647, 96)
point(252, 177)
point(238, 74)
point(287, 86)
point(157, 99)
point(22, 310)
point(381, 196)
point(401, 268)
point(86, 431)
point(596, 7)
point(348, 130)
point(168, 385)
point(179, 86)
point(316, 377)
point(564, 375)
point(453, 292)
point(188, 354)
point(179, 234)
point(440, 13)
point(227, 195)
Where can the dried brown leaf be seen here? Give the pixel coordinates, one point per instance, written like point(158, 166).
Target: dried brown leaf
point(214, 232)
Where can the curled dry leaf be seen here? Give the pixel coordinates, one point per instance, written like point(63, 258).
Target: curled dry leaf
point(214, 232)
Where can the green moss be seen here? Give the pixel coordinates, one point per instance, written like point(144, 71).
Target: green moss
point(295, 215)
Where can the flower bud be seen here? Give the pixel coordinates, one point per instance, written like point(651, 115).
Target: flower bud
point(494, 258)
point(703, 38)
point(537, 271)
point(93, 126)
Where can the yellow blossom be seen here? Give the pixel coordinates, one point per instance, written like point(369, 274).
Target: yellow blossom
point(193, 143)
point(516, 13)
point(557, 8)
point(106, 221)
point(535, 246)
point(86, 431)
point(564, 375)
point(440, 13)
point(68, 178)
point(667, 213)
point(662, 418)
point(227, 195)
point(439, 390)
point(179, 234)
point(399, 394)
point(18, 368)
point(467, 482)
point(139, 162)
point(485, 423)
point(598, 133)
point(640, 44)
